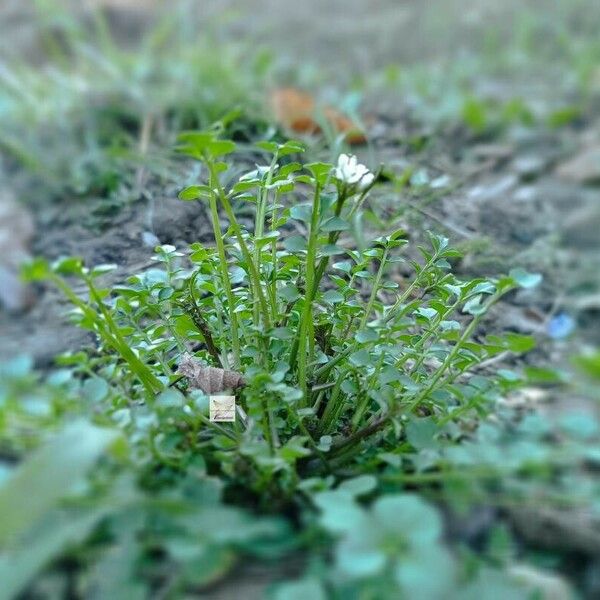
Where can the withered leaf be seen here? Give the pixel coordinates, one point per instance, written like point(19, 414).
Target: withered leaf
point(210, 380)
point(297, 110)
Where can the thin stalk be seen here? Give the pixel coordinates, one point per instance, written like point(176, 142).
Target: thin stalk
point(362, 407)
point(380, 421)
point(374, 291)
point(274, 259)
point(254, 275)
point(110, 334)
point(226, 282)
point(320, 271)
point(421, 343)
point(306, 318)
point(150, 382)
point(451, 355)
point(408, 291)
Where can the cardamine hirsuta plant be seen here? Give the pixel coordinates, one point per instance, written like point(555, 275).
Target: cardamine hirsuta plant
point(330, 355)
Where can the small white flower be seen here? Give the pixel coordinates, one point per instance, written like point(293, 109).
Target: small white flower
point(351, 172)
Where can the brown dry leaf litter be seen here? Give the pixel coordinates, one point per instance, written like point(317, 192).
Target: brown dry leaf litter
point(298, 111)
point(210, 380)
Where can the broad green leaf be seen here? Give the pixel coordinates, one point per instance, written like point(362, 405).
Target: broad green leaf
point(320, 171)
point(193, 192)
point(333, 297)
point(58, 530)
point(358, 486)
point(420, 433)
point(367, 335)
point(295, 243)
point(410, 516)
point(48, 475)
point(68, 266)
point(301, 212)
point(289, 292)
point(335, 224)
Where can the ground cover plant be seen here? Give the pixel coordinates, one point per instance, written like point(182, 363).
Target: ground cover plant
point(353, 390)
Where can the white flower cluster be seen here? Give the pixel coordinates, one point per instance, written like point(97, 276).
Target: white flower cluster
point(351, 172)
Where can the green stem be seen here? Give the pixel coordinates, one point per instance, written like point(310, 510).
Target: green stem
point(380, 421)
point(226, 282)
point(374, 291)
point(111, 335)
point(306, 318)
point(253, 272)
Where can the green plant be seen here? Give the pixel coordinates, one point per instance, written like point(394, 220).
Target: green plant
point(337, 359)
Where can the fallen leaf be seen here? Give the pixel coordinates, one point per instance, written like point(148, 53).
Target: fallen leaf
point(209, 379)
point(297, 111)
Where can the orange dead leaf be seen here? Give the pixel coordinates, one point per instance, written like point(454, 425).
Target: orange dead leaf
point(296, 110)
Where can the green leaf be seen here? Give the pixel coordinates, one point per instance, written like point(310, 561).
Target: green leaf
point(114, 575)
point(291, 147)
point(359, 486)
point(221, 147)
point(282, 333)
point(474, 113)
point(320, 171)
point(544, 375)
point(95, 389)
point(339, 511)
point(524, 279)
point(304, 589)
point(333, 297)
point(59, 530)
point(519, 343)
point(367, 335)
point(200, 143)
point(301, 212)
point(361, 358)
point(335, 224)
point(289, 292)
point(267, 146)
point(207, 564)
point(474, 306)
point(331, 250)
point(410, 516)
point(36, 270)
point(325, 442)
point(413, 574)
point(295, 243)
point(170, 398)
point(48, 475)
point(589, 364)
point(193, 192)
point(68, 266)
point(420, 433)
